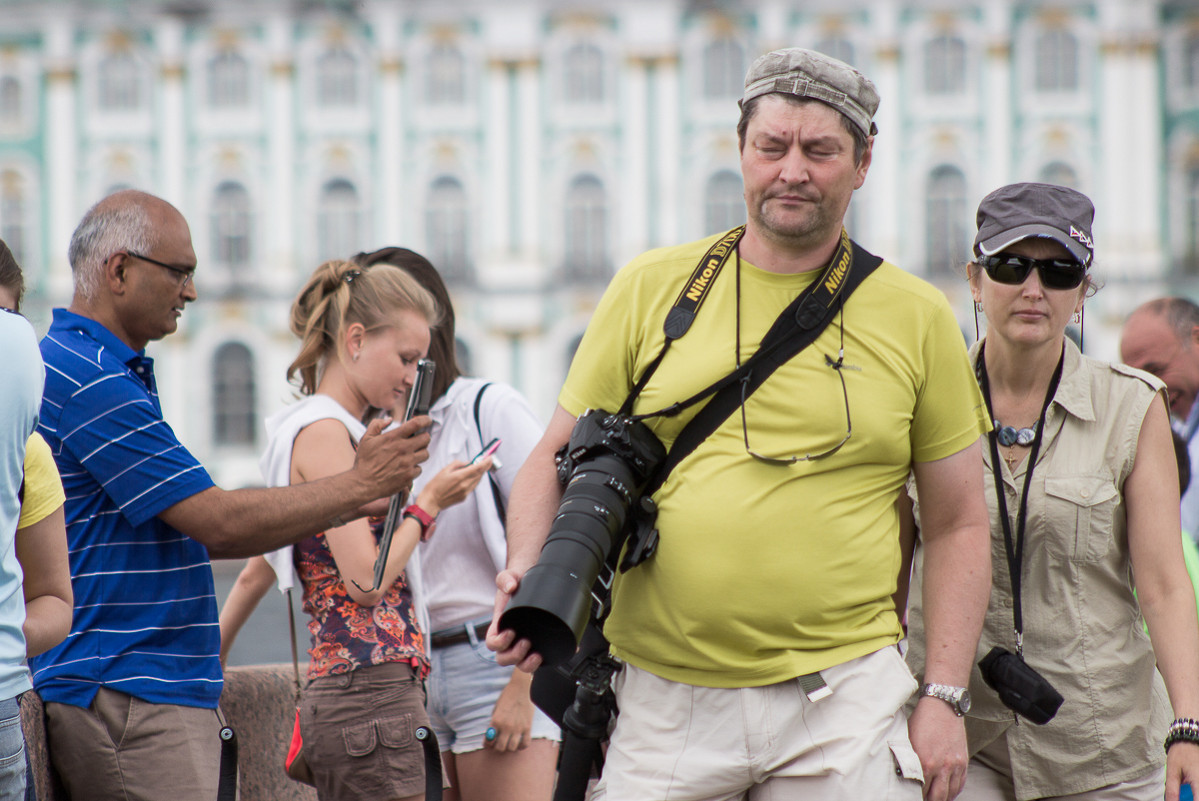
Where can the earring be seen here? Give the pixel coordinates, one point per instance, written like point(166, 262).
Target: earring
point(978, 306)
point(355, 357)
point(1076, 318)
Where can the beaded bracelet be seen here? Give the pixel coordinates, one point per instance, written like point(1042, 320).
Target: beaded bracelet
point(1184, 730)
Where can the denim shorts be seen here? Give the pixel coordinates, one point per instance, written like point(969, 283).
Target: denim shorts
point(464, 685)
point(359, 732)
point(12, 751)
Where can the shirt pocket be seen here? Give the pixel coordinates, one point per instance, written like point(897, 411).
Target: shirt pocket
point(1079, 514)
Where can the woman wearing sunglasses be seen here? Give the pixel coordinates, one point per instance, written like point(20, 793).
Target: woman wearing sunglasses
point(1083, 491)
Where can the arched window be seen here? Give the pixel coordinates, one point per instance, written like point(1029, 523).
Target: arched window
point(724, 202)
point(234, 410)
point(463, 356)
point(119, 82)
point(946, 221)
point(1190, 256)
point(838, 47)
point(1190, 61)
point(584, 80)
point(945, 65)
point(1056, 53)
point(337, 78)
point(14, 214)
point(228, 80)
point(10, 99)
point(1060, 173)
point(232, 225)
point(338, 220)
point(723, 69)
point(586, 229)
point(447, 229)
point(446, 83)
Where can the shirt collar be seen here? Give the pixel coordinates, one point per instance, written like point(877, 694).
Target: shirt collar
point(66, 320)
point(1074, 390)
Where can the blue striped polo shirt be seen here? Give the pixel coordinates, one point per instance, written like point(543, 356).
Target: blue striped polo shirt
point(145, 619)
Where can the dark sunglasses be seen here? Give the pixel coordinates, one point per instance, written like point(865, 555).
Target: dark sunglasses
point(1054, 273)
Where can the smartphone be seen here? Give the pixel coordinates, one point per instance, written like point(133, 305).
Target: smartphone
point(420, 397)
point(488, 450)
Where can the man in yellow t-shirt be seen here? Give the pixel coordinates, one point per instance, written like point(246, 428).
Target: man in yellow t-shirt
point(758, 643)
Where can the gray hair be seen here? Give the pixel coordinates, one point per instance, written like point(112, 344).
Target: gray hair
point(1180, 314)
point(118, 222)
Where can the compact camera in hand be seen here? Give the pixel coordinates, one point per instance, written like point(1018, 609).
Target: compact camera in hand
point(1020, 688)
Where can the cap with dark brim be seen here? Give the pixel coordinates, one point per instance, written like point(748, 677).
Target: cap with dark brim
point(1022, 211)
point(807, 73)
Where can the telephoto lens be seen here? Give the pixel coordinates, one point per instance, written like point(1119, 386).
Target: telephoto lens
point(609, 460)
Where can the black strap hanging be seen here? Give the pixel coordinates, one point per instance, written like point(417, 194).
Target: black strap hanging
point(1015, 549)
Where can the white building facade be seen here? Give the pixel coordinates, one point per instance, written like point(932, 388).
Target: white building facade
point(531, 147)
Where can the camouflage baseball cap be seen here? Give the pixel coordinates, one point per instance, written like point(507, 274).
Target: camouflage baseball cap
point(1021, 211)
point(806, 73)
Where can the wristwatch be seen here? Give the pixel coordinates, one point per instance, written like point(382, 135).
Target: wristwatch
point(957, 697)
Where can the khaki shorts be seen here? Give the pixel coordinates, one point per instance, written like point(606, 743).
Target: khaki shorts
point(359, 732)
point(677, 742)
point(122, 747)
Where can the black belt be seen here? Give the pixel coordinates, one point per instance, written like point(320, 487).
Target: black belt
point(458, 634)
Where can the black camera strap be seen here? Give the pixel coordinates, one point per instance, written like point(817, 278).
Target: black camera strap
point(1015, 550)
point(794, 329)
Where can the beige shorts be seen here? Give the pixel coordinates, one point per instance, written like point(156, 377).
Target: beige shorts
point(677, 742)
point(359, 732)
point(122, 747)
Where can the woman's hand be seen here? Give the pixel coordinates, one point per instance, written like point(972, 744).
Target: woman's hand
point(1182, 767)
point(451, 485)
point(512, 717)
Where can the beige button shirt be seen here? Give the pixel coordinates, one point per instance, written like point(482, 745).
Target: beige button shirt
point(1082, 625)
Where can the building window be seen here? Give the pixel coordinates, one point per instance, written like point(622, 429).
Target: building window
point(10, 99)
point(14, 214)
point(723, 69)
point(945, 65)
point(584, 81)
point(724, 202)
point(228, 80)
point(838, 47)
point(1190, 256)
point(463, 357)
point(1190, 61)
point(1060, 173)
point(446, 84)
point(586, 229)
point(447, 229)
point(337, 78)
point(1056, 53)
point(946, 221)
point(232, 226)
point(338, 220)
point(119, 82)
point(234, 415)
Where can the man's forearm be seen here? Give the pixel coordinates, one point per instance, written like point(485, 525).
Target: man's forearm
point(251, 521)
point(533, 505)
point(956, 590)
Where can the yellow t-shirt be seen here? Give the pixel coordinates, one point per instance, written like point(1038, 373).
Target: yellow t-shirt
point(767, 572)
point(43, 487)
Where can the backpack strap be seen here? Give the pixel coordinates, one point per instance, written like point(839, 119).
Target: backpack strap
point(495, 487)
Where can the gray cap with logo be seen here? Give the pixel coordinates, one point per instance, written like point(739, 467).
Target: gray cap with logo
point(1020, 211)
point(807, 73)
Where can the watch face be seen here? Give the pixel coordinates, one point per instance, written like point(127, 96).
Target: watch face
point(964, 702)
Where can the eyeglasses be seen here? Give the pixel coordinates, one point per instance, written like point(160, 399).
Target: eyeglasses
point(838, 365)
point(1054, 273)
point(188, 274)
